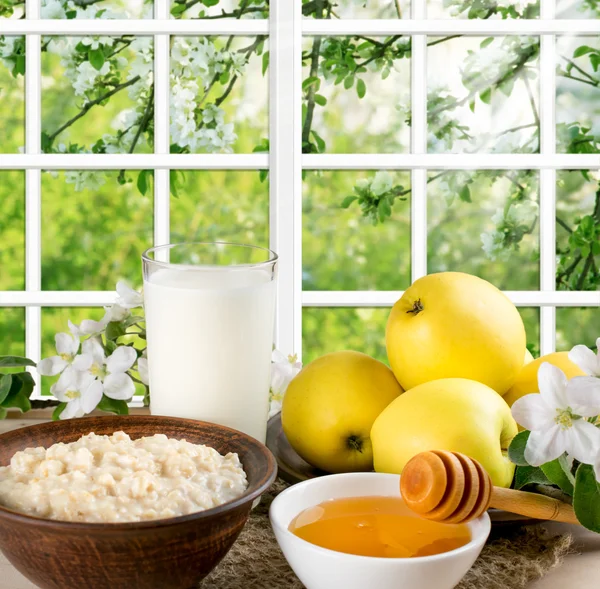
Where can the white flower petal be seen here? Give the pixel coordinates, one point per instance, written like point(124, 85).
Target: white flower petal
point(583, 441)
point(73, 409)
point(121, 360)
point(583, 394)
point(552, 383)
point(74, 329)
point(91, 396)
point(67, 380)
point(544, 446)
point(143, 370)
point(533, 413)
point(93, 348)
point(585, 359)
point(117, 313)
point(66, 344)
point(82, 362)
point(597, 468)
point(128, 297)
point(89, 327)
point(119, 386)
point(277, 356)
point(51, 366)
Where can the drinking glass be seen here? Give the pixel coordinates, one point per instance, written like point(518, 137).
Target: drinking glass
point(210, 310)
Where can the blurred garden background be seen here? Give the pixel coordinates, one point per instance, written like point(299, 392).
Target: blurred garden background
point(96, 224)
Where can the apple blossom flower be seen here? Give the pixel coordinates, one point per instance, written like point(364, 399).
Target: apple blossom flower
point(81, 392)
point(557, 418)
point(112, 371)
point(67, 347)
point(143, 368)
point(586, 359)
point(283, 370)
point(128, 297)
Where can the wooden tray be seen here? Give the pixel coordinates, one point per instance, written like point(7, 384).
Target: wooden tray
point(292, 469)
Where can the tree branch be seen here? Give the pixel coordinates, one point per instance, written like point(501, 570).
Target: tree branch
point(443, 40)
point(534, 109)
point(145, 119)
point(380, 52)
point(314, 70)
point(580, 70)
point(398, 8)
point(564, 225)
point(595, 84)
point(515, 129)
point(88, 105)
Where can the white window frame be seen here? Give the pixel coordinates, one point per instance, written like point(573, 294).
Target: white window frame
point(286, 162)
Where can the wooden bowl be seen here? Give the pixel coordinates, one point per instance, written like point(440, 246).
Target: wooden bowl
point(175, 553)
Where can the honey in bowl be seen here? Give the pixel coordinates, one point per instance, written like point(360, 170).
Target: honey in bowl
point(376, 526)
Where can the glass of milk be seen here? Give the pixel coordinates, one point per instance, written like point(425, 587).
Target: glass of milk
point(210, 309)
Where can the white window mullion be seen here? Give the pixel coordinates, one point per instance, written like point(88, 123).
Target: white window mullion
point(285, 182)
point(418, 205)
point(33, 213)
point(547, 181)
point(162, 233)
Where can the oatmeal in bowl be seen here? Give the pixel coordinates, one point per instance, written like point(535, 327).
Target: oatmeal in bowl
point(112, 478)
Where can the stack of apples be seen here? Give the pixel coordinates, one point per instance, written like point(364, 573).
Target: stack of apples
point(456, 347)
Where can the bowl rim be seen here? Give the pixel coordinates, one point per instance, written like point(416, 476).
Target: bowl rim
point(278, 527)
point(247, 497)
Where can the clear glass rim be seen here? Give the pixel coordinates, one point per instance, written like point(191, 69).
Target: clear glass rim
point(270, 254)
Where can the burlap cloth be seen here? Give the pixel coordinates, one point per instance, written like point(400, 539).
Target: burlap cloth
point(511, 559)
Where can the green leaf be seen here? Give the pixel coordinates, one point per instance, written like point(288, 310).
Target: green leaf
point(586, 498)
point(96, 57)
point(487, 41)
point(559, 474)
point(5, 383)
point(113, 406)
point(486, 96)
point(263, 175)
point(529, 475)
point(3, 413)
point(465, 194)
point(210, 2)
point(348, 201)
point(114, 330)
point(265, 62)
point(56, 413)
point(361, 88)
point(320, 99)
point(178, 9)
point(142, 181)
point(19, 67)
point(349, 82)
point(312, 80)
point(583, 50)
point(516, 450)
point(174, 181)
point(15, 362)
point(18, 396)
point(319, 141)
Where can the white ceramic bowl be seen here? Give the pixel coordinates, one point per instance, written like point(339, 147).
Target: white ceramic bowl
point(320, 568)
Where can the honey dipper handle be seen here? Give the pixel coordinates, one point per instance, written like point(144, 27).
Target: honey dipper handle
point(533, 505)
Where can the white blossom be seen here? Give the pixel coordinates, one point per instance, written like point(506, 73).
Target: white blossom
point(128, 297)
point(81, 392)
point(583, 357)
point(382, 183)
point(85, 179)
point(52, 9)
point(557, 418)
point(283, 370)
point(67, 348)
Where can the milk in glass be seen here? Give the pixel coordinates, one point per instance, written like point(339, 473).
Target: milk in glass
point(210, 337)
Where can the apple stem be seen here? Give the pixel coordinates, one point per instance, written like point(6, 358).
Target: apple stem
point(417, 307)
point(355, 443)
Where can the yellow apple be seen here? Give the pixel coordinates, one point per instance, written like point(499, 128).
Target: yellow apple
point(330, 406)
point(454, 325)
point(452, 414)
point(527, 381)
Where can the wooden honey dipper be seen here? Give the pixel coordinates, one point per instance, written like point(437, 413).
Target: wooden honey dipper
point(452, 488)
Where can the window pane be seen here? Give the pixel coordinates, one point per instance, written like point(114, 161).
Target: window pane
point(97, 94)
point(359, 9)
point(12, 9)
point(12, 93)
point(219, 94)
point(577, 325)
point(361, 247)
point(94, 229)
point(531, 319)
point(577, 9)
point(578, 230)
point(221, 206)
point(99, 9)
point(485, 223)
point(221, 9)
point(327, 330)
point(483, 9)
point(356, 95)
point(12, 328)
point(578, 94)
point(12, 230)
point(483, 94)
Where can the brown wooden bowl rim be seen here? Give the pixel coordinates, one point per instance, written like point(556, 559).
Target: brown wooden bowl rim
point(249, 495)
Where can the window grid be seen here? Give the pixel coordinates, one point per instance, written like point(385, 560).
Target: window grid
point(286, 163)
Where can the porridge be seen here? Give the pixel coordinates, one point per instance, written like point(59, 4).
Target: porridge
point(115, 479)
